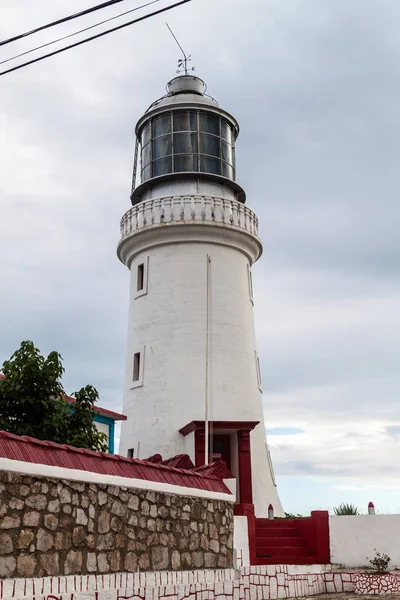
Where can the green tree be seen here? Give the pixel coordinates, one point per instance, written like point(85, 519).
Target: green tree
point(31, 401)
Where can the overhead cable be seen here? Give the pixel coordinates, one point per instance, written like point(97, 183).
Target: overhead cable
point(94, 37)
point(65, 37)
point(59, 21)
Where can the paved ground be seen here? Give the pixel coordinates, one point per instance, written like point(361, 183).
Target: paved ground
point(349, 597)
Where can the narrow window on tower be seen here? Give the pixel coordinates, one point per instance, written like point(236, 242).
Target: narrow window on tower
point(258, 372)
point(137, 368)
point(142, 270)
point(140, 277)
point(250, 280)
point(271, 468)
point(131, 452)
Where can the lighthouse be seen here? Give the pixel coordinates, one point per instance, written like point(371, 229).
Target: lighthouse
point(193, 383)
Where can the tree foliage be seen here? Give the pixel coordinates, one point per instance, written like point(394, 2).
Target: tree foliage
point(32, 401)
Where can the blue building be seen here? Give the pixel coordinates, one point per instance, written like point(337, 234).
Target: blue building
point(105, 422)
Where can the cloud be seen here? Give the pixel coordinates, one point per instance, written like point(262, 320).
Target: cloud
point(314, 87)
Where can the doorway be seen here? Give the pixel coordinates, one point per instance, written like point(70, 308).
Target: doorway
point(221, 449)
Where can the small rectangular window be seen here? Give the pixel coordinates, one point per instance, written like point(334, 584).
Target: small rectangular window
point(140, 277)
point(258, 372)
point(250, 279)
point(271, 468)
point(136, 366)
point(131, 452)
point(138, 359)
point(140, 284)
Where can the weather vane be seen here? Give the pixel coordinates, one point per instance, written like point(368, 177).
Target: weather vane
point(182, 62)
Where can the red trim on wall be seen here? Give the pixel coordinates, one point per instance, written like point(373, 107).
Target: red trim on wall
point(320, 519)
point(101, 411)
point(221, 425)
point(242, 430)
point(244, 459)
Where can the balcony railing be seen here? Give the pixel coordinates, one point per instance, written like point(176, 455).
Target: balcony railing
point(188, 210)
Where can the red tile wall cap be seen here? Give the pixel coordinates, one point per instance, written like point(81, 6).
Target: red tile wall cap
point(180, 461)
point(156, 458)
point(217, 469)
point(27, 449)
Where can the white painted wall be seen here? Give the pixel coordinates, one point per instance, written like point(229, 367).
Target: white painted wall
point(170, 323)
point(241, 541)
point(353, 539)
point(103, 428)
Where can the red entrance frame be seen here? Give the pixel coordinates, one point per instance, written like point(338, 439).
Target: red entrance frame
point(242, 429)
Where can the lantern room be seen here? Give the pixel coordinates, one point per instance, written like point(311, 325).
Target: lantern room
point(185, 134)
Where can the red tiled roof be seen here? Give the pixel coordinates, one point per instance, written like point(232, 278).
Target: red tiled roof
point(26, 449)
point(97, 409)
point(217, 469)
point(180, 461)
point(101, 411)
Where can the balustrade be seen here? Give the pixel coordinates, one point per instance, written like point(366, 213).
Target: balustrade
point(187, 210)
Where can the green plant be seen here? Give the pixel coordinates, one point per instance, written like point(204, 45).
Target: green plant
point(32, 401)
point(380, 562)
point(346, 509)
point(293, 516)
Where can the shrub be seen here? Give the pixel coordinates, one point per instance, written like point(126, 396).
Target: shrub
point(380, 562)
point(346, 509)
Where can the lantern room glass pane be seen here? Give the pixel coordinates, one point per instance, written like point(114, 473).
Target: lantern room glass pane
point(185, 121)
point(209, 144)
point(146, 173)
point(186, 162)
point(208, 164)
point(226, 152)
point(209, 124)
point(226, 170)
point(162, 166)
point(226, 131)
point(162, 146)
point(185, 143)
point(146, 133)
point(162, 125)
point(146, 155)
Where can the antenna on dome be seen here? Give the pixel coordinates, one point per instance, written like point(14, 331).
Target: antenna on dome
point(182, 62)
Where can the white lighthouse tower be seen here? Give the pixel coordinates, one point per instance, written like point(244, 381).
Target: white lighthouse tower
point(193, 382)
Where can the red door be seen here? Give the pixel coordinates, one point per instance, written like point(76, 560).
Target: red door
point(221, 449)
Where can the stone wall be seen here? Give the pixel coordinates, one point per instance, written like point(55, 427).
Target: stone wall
point(60, 527)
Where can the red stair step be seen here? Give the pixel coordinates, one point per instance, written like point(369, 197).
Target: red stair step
point(285, 560)
point(277, 542)
point(282, 551)
point(281, 532)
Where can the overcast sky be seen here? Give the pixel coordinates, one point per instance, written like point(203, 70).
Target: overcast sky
point(315, 86)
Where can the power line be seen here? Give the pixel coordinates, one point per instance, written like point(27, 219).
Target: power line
point(94, 37)
point(65, 37)
point(59, 21)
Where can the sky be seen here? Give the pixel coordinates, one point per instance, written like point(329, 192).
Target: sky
point(314, 85)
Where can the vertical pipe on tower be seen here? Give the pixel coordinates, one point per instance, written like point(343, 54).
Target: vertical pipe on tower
point(207, 390)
